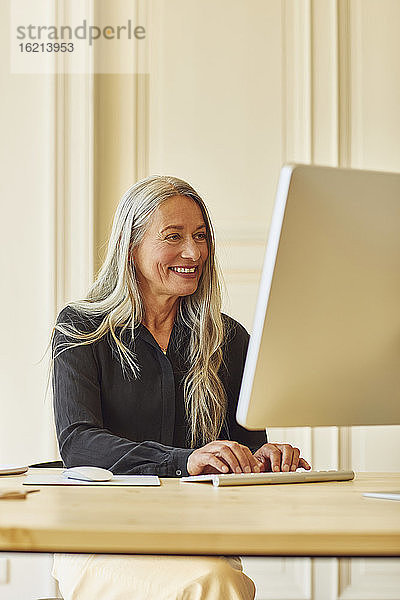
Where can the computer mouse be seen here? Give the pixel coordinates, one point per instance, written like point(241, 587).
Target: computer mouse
point(88, 473)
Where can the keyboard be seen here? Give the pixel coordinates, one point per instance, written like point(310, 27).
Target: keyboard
point(269, 478)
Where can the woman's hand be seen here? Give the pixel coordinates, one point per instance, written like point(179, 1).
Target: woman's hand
point(223, 456)
point(280, 457)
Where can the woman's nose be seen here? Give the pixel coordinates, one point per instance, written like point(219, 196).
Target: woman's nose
point(190, 250)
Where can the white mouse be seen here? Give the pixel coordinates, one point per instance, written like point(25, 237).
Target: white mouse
point(88, 474)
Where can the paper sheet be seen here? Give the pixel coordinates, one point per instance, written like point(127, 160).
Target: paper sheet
point(383, 495)
point(47, 478)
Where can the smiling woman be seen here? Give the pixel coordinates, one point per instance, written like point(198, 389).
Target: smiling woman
point(170, 259)
point(161, 226)
point(146, 379)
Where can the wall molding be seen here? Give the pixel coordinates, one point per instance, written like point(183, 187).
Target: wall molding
point(280, 578)
point(142, 98)
point(121, 129)
point(356, 84)
point(361, 579)
point(236, 232)
point(324, 82)
point(71, 209)
point(344, 83)
point(74, 187)
point(297, 77)
point(73, 178)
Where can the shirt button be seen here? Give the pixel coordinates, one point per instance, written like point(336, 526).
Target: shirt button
point(179, 472)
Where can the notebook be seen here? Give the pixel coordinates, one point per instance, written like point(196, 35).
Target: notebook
point(12, 469)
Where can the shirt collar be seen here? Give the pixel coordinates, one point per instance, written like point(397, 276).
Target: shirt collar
point(142, 332)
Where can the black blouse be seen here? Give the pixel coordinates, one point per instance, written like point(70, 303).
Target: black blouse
point(106, 418)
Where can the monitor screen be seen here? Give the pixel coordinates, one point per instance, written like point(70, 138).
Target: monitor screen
point(325, 344)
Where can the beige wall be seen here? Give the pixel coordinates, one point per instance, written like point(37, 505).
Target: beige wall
point(27, 299)
point(119, 137)
point(216, 120)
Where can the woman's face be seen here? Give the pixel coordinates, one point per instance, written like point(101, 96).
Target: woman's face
point(175, 242)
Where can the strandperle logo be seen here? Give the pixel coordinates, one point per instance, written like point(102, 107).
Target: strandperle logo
point(84, 31)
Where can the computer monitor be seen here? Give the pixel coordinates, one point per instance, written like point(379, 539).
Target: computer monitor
point(325, 344)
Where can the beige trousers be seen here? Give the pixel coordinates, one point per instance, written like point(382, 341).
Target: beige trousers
point(123, 577)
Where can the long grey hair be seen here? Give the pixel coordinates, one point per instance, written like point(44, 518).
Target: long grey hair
point(115, 296)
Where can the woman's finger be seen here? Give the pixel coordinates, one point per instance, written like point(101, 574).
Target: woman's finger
point(295, 459)
point(229, 457)
point(218, 464)
point(204, 461)
point(256, 465)
point(275, 456)
point(247, 462)
point(287, 453)
point(266, 464)
point(243, 458)
point(303, 463)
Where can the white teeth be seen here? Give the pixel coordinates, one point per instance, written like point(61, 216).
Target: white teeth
point(182, 270)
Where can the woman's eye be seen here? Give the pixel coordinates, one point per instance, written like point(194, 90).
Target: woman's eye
point(175, 236)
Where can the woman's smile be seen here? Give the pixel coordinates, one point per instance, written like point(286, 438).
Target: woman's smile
point(170, 258)
point(186, 272)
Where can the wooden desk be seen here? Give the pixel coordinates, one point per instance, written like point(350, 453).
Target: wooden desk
point(317, 519)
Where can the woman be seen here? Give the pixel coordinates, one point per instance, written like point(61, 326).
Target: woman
point(146, 377)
